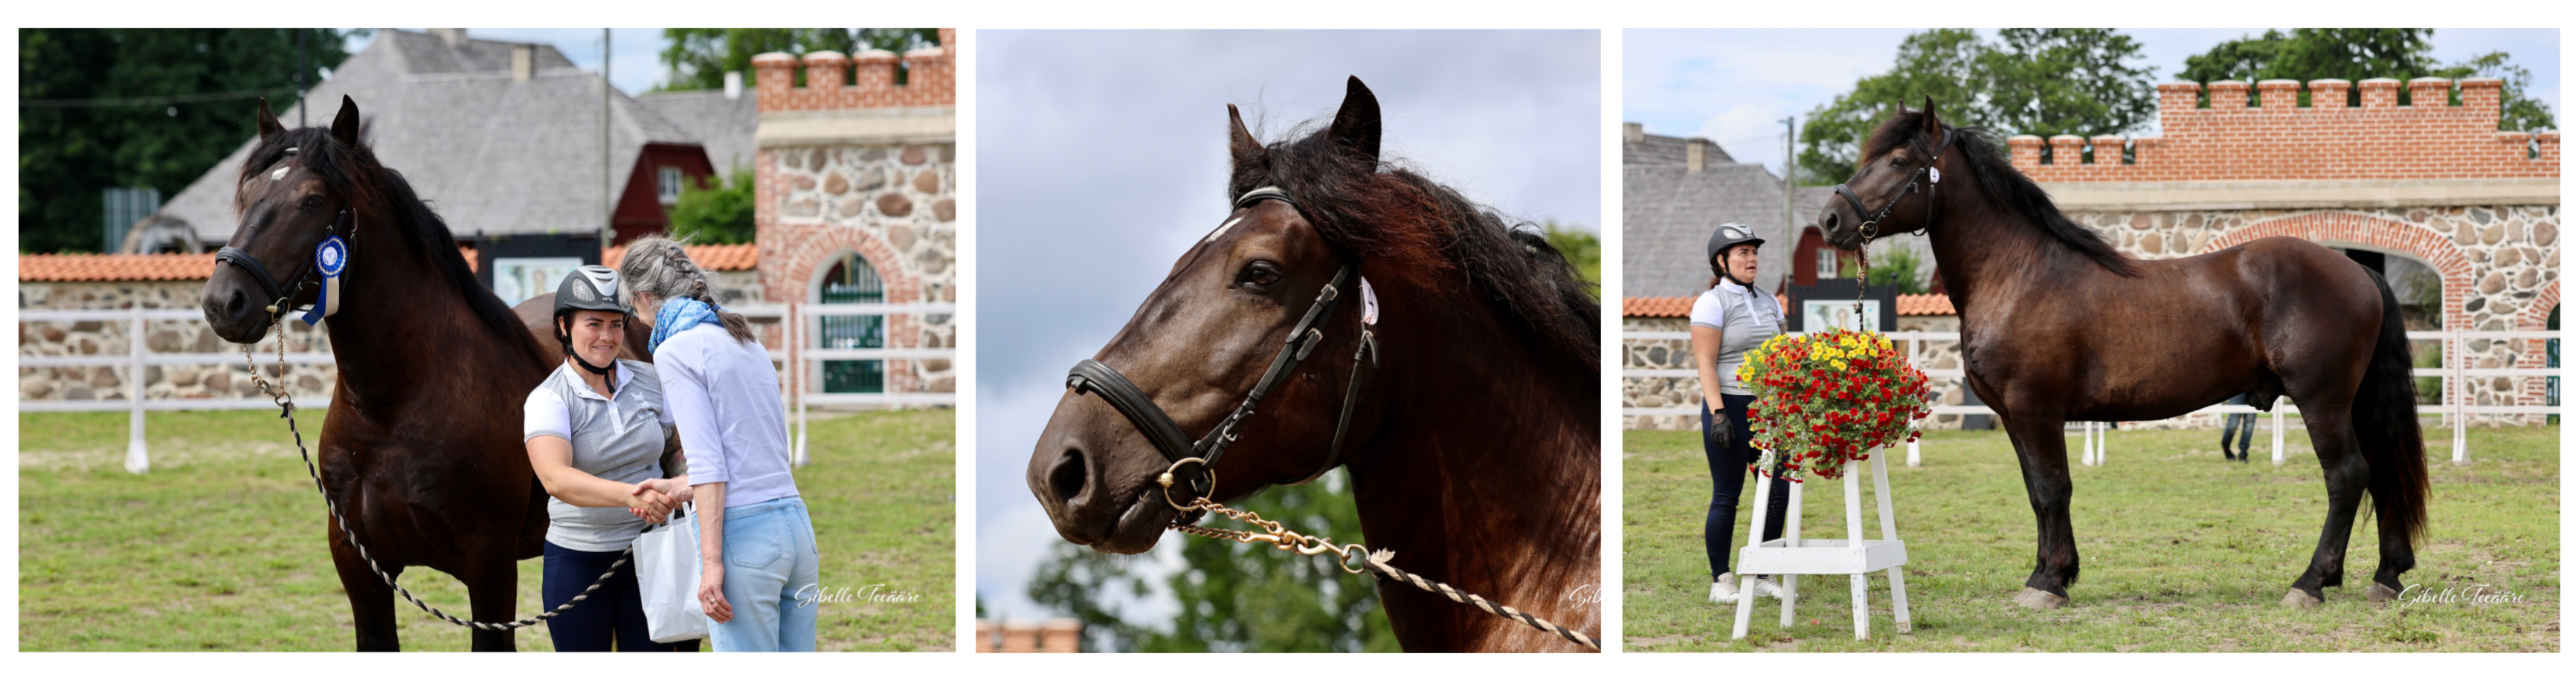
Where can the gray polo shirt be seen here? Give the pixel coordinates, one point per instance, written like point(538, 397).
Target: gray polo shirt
point(615, 439)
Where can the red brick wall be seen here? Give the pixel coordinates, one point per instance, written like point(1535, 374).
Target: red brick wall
point(2327, 141)
point(933, 79)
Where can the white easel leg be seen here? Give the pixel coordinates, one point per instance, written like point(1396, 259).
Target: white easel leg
point(1859, 581)
point(1789, 581)
point(1913, 453)
point(1887, 528)
point(1743, 595)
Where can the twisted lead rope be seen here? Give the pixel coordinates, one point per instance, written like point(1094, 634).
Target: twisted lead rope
point(285, 400)
point(1358, 559)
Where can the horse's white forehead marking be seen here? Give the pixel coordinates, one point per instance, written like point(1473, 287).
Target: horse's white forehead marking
point(280, 173)
point(1220, 230)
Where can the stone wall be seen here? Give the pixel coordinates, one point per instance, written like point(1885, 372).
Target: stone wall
point(1675, 354)
point(161, 382)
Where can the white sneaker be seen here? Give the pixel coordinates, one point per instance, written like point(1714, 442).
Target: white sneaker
point(1722, 591)
point(1765, 586)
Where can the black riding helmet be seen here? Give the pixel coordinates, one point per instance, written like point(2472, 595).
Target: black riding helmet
point(591, 288)
point(1728, 235)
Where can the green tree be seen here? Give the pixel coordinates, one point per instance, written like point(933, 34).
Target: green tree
point(699, 57)
point(1582, 249)
point(101, 108)
point(715, 213)
point(1232, 596)
point(2362, 53)
point(2036, 81)
point(1899, 268)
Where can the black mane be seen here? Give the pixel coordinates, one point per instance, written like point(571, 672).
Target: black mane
point(2003, 185)
point(381, 195)
point(1420, 227)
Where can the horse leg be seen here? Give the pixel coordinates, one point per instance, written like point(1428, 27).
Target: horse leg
point(371, 601)
point(2347, 476)
point(2039, 441)
point(494, 597)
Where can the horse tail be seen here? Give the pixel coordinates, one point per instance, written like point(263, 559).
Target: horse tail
point(2385, 426)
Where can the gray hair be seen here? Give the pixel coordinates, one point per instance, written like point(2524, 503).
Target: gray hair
point(660, 267)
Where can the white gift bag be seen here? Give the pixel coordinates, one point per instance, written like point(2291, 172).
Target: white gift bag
point(666, 573)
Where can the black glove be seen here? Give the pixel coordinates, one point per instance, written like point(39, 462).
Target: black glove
point(1720, 429)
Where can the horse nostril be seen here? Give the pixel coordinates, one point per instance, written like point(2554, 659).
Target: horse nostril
point(234, 308)
point(1832, 220)
point(1069, 477)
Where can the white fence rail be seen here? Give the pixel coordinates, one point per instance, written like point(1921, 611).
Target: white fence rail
point(139, 356)
point(2455, 411)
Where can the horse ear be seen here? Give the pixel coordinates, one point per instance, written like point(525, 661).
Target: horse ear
point(1931, 118)
point(1356, 125)
point(344, 127)
point(268, 125)
point(1248, 153)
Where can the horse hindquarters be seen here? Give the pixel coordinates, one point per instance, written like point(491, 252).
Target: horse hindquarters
point(2392, 440)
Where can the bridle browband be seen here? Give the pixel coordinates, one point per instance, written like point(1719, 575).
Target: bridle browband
point(1095, 377)
point(283, 297)
point(1869, 224)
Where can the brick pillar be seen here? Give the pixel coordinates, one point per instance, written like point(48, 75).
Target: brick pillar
point(2379, 92)
point(2066, 149)
point(2280, 95)
point(2177, 96)
point(2548, 147)
point(2482, 94)
point(2025, 151)
point(876, 71)
point(774, 74)
point(1019, 636)
point(2429, 92)
point(2329, 93)
point(984, 632)
point(1061, 635)
point(823, 76)
point(2227, 95)
point(2106, 150)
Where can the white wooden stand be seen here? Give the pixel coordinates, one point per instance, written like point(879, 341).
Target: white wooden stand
point(1856, 556)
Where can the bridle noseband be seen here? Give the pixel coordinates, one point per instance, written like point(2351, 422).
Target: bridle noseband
point(284, 296)
point(1095, 377)
point(1869, 224)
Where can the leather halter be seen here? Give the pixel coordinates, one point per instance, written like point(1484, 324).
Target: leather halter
point(283, 297)
point(1869, 224)
point(1095, 377)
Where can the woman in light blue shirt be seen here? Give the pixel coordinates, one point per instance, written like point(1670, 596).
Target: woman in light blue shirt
point(724, 395)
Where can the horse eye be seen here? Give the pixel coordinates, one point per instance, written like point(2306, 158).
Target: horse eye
point(1898, 162)
point(312, 202)
point(1259, 274)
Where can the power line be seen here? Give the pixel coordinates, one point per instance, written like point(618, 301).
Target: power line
point(139, 101)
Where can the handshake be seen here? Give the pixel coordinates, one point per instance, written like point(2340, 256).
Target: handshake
point(653, 500)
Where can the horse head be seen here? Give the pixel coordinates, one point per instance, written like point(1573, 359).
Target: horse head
point(1891, 191)
point(297, 188)
point(1247, 357)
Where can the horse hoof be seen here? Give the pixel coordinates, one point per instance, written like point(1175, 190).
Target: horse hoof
point(2299, 599)
point(2035, 598)
point(2380, 593)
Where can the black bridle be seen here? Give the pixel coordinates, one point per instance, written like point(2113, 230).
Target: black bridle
point(284, 296)
point(1095, 377)
point(1869, 224)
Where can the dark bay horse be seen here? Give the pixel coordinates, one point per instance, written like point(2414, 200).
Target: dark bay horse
point(421, 448)
point(2056, 325)
point(1473, 445)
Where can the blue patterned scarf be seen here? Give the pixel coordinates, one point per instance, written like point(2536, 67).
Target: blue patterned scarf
point(677, 314)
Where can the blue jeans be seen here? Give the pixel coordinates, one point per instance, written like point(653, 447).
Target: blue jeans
point(768, 558)
point(612, 616)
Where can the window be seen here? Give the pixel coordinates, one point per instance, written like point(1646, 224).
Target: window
point(853, 281)
point(669, 185)
point(1828, 263)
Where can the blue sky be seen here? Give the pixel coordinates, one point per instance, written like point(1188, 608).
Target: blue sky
point(1101, 157)
point(1733, 86)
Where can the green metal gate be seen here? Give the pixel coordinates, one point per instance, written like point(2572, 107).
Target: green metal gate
point(853, 281)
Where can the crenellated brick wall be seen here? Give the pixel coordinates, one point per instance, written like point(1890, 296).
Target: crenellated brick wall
point(2278, 140)
point(932, 81)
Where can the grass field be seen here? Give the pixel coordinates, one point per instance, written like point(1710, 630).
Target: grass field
point(2181, 552)
point(220, 546)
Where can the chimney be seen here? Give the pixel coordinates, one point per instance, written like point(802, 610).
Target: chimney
point(452, 36)
point(1634, 132)
point(733, 85)
point(523, 62)
point(1696, 149)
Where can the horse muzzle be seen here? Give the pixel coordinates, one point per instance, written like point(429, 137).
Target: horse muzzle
point(236, 308)
point(1097, 490)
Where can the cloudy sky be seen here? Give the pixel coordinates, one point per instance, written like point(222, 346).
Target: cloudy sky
point(1101, 157)
point(1734, 86)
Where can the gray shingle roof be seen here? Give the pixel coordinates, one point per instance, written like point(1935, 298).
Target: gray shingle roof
point(723, 125)
point(1668, 213)
point(492, 156)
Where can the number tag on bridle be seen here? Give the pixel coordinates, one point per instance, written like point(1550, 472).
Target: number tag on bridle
point(331, 258)
point(1368, 303)
point(1936, 175)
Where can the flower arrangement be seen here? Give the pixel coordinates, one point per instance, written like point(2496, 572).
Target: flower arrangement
point(1828, 398)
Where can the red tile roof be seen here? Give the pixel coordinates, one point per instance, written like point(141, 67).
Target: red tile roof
point(715, 257)
point(1678, 307)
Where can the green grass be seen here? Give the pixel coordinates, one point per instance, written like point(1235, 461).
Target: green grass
point(2181, 552)
point(220, 546)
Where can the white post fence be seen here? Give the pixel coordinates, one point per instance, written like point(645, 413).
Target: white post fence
point(797, 384)
point(2455, 407)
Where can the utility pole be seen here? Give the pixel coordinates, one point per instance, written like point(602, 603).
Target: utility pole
point(607, 203)
point(301, 66)
point(1789, 177)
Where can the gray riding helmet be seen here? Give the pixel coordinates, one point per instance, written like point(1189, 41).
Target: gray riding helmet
point(591, 287)
point(1730, 235)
